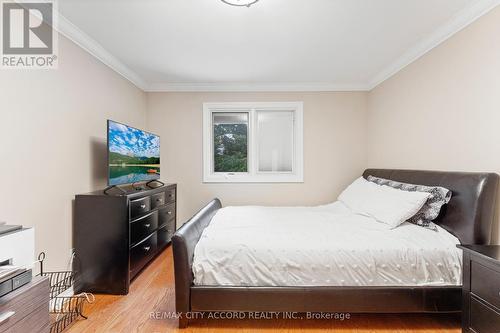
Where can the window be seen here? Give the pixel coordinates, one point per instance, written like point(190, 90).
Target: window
point(230, 143)
point(252, 142)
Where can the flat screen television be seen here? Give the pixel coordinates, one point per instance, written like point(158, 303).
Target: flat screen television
point(133, 155)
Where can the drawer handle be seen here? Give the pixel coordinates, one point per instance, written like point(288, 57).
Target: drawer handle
point(159, 200)
point(6, 315)
point(147, 248)
point(147, 225)
point(169, 213)
point(143, 206)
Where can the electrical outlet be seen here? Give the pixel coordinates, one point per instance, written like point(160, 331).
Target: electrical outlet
point(71, 251)
point(70, 260)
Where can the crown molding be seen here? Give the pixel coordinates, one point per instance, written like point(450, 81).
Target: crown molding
point(254, 87)
point(72, 32)
point(464, 18)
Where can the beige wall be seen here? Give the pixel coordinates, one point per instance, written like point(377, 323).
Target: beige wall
point(443, 111)
point(53, 137)
point(334, 148)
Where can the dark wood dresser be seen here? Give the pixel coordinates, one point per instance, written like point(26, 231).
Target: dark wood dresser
point(115, 236)
point(481, 288)
point(26, 309)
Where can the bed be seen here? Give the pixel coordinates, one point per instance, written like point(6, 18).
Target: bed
point(329, 267)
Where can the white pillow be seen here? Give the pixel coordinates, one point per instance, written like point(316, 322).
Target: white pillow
point(383, 203)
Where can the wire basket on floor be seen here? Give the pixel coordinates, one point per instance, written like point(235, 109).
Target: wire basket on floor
point(64, 309)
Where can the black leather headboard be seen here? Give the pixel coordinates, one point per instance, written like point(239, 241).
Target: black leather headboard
point(469, 214)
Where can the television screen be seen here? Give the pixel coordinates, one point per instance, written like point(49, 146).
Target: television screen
point(133, 155)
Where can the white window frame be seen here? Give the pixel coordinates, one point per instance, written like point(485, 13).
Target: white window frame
point(253, 175)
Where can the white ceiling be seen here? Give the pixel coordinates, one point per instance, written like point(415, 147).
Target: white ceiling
point(171, 45)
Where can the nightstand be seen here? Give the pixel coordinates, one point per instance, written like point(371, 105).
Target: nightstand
point(481, 288)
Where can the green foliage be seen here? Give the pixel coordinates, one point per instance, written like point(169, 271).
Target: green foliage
point(116, 158)
point(230, 147)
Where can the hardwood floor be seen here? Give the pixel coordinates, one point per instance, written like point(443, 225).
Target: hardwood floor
point(152, 294)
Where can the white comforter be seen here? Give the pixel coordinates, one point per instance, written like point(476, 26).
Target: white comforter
point(321, 246)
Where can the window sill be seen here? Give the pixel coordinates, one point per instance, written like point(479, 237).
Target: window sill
point(274, 178)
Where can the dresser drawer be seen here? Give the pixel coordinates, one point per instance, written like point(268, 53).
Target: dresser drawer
point(142, 252)
point(24, 303)
point(143, 227)
point(157, 199)
point(485, 283)
point(36, 322)
point(139, 207)
point(170, 195)
point(166, 214)
point(165, 234)
point(483, 319)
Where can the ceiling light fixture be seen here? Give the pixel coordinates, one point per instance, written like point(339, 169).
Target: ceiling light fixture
point(240, 3)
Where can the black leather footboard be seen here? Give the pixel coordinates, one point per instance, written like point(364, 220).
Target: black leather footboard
point(184, 242)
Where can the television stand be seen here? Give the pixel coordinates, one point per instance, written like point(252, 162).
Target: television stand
point(154, 181)
point(109, 188)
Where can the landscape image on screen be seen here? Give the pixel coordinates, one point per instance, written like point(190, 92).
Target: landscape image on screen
point(134, 155)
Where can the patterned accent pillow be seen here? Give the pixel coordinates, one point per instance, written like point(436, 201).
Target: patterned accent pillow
point(430, 211)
